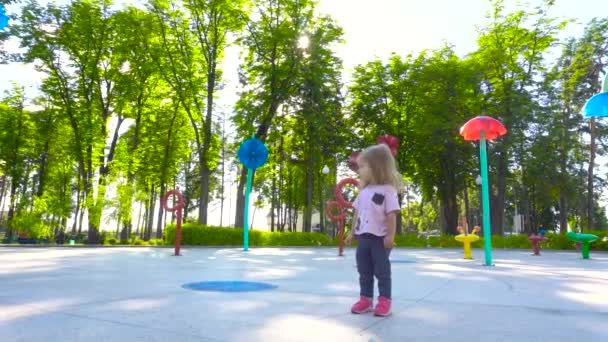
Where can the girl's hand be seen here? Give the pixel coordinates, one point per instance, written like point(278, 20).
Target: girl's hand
point(389, 241)
point(349, 239)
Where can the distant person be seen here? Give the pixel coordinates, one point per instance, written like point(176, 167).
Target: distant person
point(374, 226)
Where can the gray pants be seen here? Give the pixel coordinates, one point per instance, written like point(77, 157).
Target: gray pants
point(372, 260)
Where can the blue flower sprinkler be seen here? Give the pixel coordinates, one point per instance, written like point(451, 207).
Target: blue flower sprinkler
point(252, 154)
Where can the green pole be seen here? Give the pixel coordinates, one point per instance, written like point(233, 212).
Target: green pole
point(246, 218)
point(485, 198)
point(585, 250)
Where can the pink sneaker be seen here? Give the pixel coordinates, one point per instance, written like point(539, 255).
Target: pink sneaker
point(383, 308)
point(362, 306)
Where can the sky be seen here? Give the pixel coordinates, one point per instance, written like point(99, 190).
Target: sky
point(375, 29)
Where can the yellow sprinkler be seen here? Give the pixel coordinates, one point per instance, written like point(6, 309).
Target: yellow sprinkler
point(466, 239)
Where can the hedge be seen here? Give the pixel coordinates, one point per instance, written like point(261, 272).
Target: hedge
point(200, 235)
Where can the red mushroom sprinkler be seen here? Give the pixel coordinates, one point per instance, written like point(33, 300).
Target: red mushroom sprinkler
point(482, 128)
point(535, 240)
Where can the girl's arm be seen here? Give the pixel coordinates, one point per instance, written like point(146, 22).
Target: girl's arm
point(392, 223)
point(389, 239)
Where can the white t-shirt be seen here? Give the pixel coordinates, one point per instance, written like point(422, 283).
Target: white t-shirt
point(373, 204)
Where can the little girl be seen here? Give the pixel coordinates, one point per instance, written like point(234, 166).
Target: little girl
point(374, 224)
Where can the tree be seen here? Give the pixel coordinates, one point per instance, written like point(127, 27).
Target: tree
point(213, 21)
point(510, 53)
point(269, 73)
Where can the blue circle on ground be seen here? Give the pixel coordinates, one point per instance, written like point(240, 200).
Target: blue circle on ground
point(229, 286)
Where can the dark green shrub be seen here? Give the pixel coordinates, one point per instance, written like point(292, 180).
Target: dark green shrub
point(601, 244)
point(410, 240)
point(478, 244)
point(198, 235)
point(294, 239)
point(443, 241)
point(139, 242)
point(518, 241)
point(111, 241)
point(557, 241)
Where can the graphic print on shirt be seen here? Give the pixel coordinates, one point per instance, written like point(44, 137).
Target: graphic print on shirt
point(378, 198)
point(373, 203)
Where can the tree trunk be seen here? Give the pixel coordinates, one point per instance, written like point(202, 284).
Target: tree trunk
point(2, 197)
point(204, 195)
point(42, 170)
point(467, 211)
point(151, 210)
point(399, 226)
point(449, 214)
point(186, 193)
point(222, 185)
point(160, 223)
point(240, 199)
point(273, 203)
point(497, 202)
point(321, 191)
point(77, 208)
point(592, 148)
point(139, 219)
point(307, 220)
point(11, 209)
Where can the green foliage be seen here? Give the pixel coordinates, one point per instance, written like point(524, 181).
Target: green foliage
point(32, 224)
point(498, 241)
point(510, 241)
point(156, 242)
point(558, 241)
point(443, 241)
point(33, 221)
point(294, 239)
point(157, 69)
point(410, 240)
point(199, 235)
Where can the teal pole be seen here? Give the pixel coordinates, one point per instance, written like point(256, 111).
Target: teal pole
point(485, 198)
point(246, 218)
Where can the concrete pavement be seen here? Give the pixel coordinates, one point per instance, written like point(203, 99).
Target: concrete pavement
point(136, 294)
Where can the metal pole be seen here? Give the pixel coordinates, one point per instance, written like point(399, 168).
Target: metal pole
point(246, 218)
point(485, 195)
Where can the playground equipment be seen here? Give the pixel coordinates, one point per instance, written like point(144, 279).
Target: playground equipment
point(252, 154)
point(467, 238)
point(3, 18)
point(482, 128)
point(177, 207)
point(340, 204)
point(535, 240)
point(584, 239)
point(597, 106)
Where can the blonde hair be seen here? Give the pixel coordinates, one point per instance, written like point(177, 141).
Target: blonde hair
point(382, 165)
